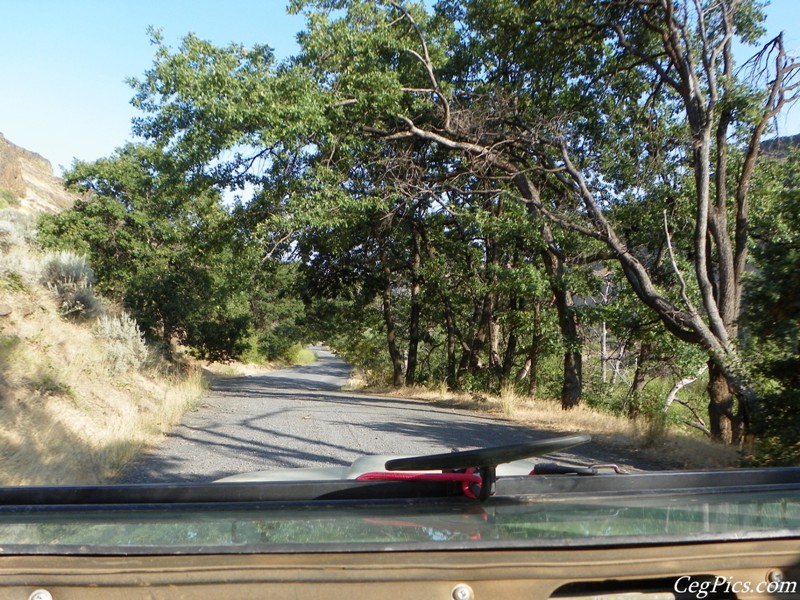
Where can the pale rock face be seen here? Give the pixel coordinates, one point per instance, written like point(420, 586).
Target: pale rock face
point(30, 178)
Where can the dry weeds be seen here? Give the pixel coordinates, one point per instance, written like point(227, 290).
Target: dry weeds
point(66, 417)
point(654, 443)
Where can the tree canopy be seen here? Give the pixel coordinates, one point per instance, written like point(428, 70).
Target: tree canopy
point(470, 192)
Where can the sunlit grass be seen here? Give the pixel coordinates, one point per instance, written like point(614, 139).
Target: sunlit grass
point(300, 355)
point(70, 413)
point(655, 443)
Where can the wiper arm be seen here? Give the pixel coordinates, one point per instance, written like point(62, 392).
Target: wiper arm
point(485, 460)
point(556, 469)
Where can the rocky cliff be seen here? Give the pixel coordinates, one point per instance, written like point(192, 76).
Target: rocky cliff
point(27, 178)
point(780, 147)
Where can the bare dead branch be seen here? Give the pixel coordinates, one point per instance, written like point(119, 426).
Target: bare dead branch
point(684, 295)
point(425, 60)
point(673, 393)
point(785, 71)
point(698, 426)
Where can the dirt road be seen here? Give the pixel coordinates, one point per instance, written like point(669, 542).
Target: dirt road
point(298, 418)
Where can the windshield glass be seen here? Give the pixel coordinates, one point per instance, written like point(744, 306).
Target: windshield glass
point(577, 520)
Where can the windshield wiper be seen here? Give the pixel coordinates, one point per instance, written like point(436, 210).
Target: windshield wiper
point(485, 460)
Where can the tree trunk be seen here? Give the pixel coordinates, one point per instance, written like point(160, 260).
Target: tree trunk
point(416, 310)
point(572, 386)
point(470, 361)
point(533, 380)
point(634, 400)
point(451, 347)
point(453, 335)
point(495, 364)
point(724, 425)
point(391, 332)
point(413, 339)
point(509, 355)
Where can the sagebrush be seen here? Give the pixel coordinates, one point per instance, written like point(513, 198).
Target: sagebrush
point(126, 349)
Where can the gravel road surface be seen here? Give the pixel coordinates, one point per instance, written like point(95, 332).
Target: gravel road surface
point(298, 418)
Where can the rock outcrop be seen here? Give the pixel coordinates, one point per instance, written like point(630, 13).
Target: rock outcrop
point(11, 169)
point(29, 177)
point(780, 147)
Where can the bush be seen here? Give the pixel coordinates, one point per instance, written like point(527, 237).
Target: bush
point(297, 354)
point(8, 198)
point(7, 234)
point(776, 423)
point(67, 266)
point(16, 228)
point(69, 277)
point(126, 350)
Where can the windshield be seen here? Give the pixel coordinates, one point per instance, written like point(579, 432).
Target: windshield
point(525, 513)
point(407, 526)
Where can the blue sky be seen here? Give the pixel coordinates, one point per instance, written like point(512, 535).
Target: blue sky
point(63, 63)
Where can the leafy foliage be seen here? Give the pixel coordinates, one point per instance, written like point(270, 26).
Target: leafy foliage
point(159, 248)
point(773, 317)
point(463, 193)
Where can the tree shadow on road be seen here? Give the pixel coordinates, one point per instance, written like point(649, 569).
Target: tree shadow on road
point(298, 418)
point(258, 443)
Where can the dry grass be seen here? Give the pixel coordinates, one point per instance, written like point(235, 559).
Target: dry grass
point(67, 417)
point(652, 443)
point(237, 369)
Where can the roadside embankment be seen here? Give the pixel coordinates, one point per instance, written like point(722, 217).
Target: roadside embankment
point(79, 395)
point(68, 417)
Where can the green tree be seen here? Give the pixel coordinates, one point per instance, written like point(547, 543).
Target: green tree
point(603, 118)
point(164, 251)
point(772, 317)
point(649, 71)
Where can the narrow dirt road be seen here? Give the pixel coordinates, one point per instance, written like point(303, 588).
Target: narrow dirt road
point(297, 418)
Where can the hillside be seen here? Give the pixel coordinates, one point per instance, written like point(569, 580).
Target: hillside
point(781, 146)
point(78, 397)
point(29, 178)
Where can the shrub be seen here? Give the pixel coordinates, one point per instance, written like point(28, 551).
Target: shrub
point(297, 354)
point(8, 198)
point(77, 301)
point(7, 234)
point(69, 277)
point(67, 266)
point(16, 228)
point(126, 349)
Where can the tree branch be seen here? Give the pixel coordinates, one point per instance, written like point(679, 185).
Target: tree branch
point(673, 393)
point(690, 307)
point(425, 59)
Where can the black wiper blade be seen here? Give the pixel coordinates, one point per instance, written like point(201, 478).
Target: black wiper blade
point(485, 457)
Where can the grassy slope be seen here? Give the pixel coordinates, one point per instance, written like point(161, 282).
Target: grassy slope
point(64, 417)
